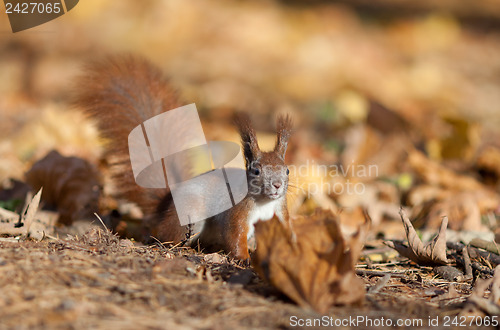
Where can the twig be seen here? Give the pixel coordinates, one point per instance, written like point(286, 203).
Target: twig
point(52, 237)
point(485, 245)
point(473, 252)
point(363, 272)
point(467, 263)
point(102, 222)
point(160, 244)
point(386, 264)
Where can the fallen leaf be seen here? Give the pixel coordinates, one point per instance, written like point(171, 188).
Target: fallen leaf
point(70, 184)
point(8, 219)
point(40, 226)
point(432, 253)
point(313, 264)
point(435, 174)
point(477, 303)
point(462, 208)
point(32, 209)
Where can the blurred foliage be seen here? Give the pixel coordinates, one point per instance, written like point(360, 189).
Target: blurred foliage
point(365, 81)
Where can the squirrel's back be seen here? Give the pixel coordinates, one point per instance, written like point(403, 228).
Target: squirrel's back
point(119, 93)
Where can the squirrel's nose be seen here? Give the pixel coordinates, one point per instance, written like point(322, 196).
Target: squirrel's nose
point(277, 184)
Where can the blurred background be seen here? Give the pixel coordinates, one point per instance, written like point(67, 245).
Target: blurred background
point(413, 88)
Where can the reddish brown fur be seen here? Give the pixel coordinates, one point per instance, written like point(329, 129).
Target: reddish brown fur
point(119, 93)
point(249, 143)
point(283, 130)
point(228, 231)
point(236, 236)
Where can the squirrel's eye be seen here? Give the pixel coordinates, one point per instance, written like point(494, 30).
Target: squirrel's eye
point(287, 171)
point(256, 171)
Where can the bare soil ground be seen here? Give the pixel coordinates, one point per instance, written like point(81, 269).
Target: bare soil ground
point(100, 281)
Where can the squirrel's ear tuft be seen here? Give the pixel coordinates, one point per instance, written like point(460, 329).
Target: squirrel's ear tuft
point(248, 138)
point(283, 130)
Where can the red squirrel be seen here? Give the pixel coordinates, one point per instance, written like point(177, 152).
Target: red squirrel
point(120, 93)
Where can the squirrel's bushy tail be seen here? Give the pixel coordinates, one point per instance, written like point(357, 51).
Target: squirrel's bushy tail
point(120, 93)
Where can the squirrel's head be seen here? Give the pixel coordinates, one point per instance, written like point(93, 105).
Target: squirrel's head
point(267, 173)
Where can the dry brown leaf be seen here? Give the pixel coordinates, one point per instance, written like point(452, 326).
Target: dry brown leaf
point(40, 226)
point(366, 146)
point(7, 223)
point(462, 208)
point(32, 209)
point(444, 192)
point(477, 303)
point(314, 267)
point(70, 184)
point(435, 174)
point(432, 253)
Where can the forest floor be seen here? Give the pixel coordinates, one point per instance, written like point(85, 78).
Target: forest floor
point(100, 281)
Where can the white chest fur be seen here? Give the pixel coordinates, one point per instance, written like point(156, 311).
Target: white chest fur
point(264, 212)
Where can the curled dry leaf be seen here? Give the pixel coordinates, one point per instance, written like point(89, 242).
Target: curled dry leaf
point(432, 253)
point(315, 266)
point(32, 209)
point(70, 184)
point(31, 223)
